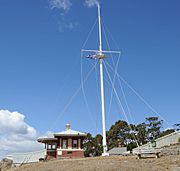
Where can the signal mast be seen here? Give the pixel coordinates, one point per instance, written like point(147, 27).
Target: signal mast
point(100, 54)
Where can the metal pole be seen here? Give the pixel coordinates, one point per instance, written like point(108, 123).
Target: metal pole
point(102, 87)
point(100, 33)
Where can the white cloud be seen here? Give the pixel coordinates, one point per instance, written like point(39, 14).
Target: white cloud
point(15, 134)
point(65, 6)
point(91, 3)
point(60, 4)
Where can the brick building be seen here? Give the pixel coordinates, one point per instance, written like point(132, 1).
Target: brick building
point(65, 144)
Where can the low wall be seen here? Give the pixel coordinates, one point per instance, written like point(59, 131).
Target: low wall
point(161, 142)
point(167, 140)
point(170, 150)
point(30, 157)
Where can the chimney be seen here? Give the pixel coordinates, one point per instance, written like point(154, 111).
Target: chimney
point(68, 126)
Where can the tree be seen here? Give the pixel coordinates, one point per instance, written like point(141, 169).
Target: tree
point(131, 145)
point(98, 145)
point(177, 127)
point(87, 145)
point(125, 134)
point(166, 132)
point(153, 126)
point(118, 133)
point(92, 145)
point(141, 133)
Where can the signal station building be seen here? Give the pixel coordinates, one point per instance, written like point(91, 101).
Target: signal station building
point(64, 144)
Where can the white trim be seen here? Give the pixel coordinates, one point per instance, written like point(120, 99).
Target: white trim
point(73, 149)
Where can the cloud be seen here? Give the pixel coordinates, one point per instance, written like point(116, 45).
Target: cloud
point(60, 4)
point(16, 135)
point(91, 3)
point(64, 6)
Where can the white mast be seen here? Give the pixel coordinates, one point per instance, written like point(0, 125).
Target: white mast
point(102, 86)
point(99, 54)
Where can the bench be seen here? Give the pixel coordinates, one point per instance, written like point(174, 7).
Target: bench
point(142, 152)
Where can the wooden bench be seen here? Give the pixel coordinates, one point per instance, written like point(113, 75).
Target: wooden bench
point(143, 152)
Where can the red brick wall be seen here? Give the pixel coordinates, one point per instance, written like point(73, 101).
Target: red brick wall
point(51, 155)
point(72, 154)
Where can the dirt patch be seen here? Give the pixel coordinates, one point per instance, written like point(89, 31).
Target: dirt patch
point(112, 163)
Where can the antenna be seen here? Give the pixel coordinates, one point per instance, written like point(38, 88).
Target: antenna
point(100, 54)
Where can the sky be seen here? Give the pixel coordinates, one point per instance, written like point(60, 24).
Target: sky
point(41, 60)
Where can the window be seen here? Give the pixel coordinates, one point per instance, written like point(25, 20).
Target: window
point(51, 146)
point(64, 143)
point(54, 146)
point(75, 143)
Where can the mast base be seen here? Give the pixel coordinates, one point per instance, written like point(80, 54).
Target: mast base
point(105, 154)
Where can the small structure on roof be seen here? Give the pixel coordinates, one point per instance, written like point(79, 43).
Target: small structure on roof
point(64, 144)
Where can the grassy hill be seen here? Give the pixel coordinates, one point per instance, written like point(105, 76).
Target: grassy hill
point(112, 163)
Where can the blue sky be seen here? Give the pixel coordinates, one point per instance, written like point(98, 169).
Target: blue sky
point(40, 60)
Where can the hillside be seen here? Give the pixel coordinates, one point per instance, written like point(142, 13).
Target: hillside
point(113, 163)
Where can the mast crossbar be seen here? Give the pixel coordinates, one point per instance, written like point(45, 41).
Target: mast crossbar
point(103, 51)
